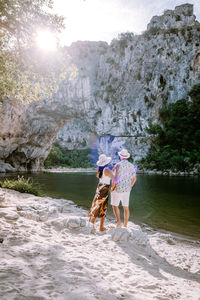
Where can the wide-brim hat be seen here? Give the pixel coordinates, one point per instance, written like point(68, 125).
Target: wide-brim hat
point(124, 153)
point(103, 160)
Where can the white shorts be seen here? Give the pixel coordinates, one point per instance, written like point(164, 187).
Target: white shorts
point(117, 197)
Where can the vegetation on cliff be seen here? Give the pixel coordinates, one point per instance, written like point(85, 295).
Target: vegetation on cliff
point(25, 72)
point(63, 157)
point(175, 143)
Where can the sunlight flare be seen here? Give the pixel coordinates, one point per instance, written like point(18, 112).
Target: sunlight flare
point(46, 40)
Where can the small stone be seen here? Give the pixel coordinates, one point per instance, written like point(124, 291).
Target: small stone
point(31, 216)
point(73, 222)
point(83, 222)
point(120, 235)
point(22, 213)
point(12, 216)
point(58, 223)
point(8, 214)
point(53, 212)
point(43, 217)
point(2, 212)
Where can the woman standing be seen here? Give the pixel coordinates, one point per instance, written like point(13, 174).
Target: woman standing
point(100, 201)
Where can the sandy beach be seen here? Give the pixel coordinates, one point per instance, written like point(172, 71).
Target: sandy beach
point(48, 251)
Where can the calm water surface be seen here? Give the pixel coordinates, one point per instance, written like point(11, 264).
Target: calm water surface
point(163, 203)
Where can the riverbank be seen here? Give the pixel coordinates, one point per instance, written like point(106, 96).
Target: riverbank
point(93, 170)
point(48, 251)
point(169, 173)
point(69, 170)
point(143, 171)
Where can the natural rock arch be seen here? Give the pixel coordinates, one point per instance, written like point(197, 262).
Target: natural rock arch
point(107, 92)
point(28, 131)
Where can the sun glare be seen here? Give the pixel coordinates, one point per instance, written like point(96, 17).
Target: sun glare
point(46, 40)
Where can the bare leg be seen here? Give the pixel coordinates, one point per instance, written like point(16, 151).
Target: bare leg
point(92, 220)
point(126, 215)
point(102, 228)
point(117, 215)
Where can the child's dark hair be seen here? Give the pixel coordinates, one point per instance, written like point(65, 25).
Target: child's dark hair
point(100, 171)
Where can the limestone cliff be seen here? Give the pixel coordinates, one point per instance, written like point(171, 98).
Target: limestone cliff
point(136, 75)
point(113, 89)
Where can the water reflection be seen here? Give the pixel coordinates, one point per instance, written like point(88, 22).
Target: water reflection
point(165, 203)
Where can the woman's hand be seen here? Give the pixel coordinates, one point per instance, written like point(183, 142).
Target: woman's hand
point(133, 181)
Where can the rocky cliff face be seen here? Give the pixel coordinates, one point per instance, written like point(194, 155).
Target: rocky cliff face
point(136, 75)
point(114, 89)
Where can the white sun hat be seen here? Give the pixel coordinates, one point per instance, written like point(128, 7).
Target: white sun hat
point(103, 160)
point(124, 154)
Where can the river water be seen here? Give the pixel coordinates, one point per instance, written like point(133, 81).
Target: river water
point(162, 203)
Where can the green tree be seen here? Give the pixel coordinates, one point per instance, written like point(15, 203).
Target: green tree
point(195, 103)
point(60, 156)
point(25, 72)
point(175, 142)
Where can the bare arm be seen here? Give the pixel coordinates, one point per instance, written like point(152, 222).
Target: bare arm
point(109, 173)
point(97, 175)
point(133, 181)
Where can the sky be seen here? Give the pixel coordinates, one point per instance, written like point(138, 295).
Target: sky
point(103, 20)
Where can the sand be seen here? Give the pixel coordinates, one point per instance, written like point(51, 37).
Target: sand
point(49, 251)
